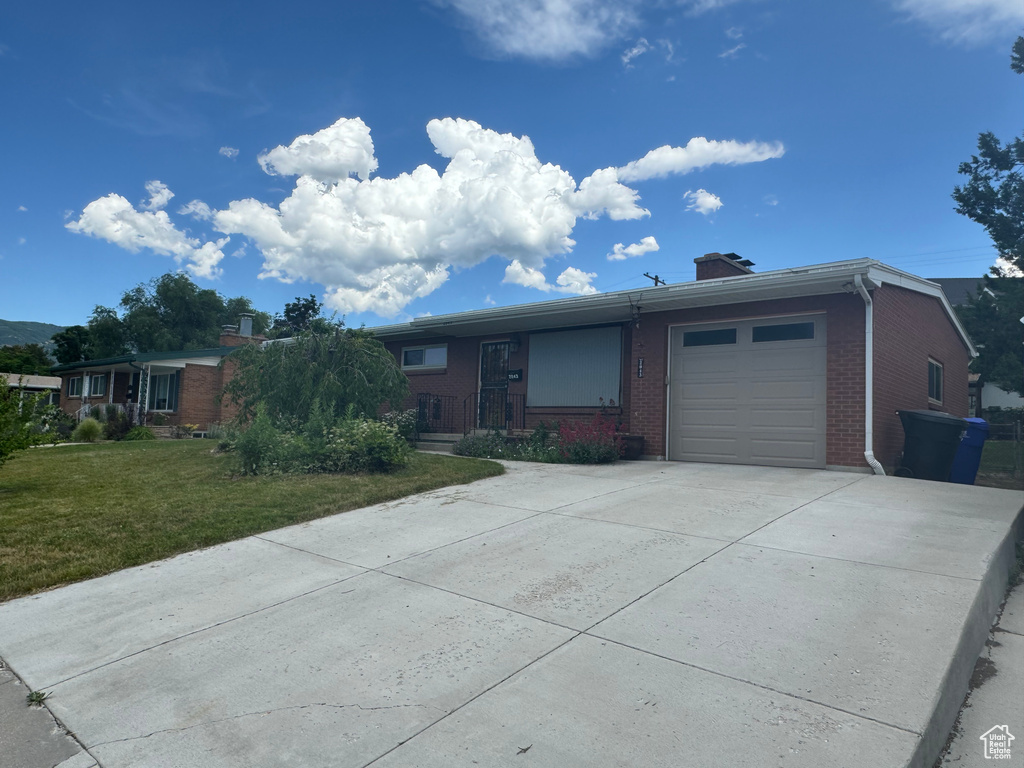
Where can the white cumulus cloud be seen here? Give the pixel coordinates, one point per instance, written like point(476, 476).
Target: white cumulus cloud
point(967, 21)
point(621, 253)
point(22, 208)
point(159, 196)
point(698, 153)
point(702, 201)
point(546, 29)
point(114, 219)
point(329, 155)
point(228, 152)
point(197, 209)
point(732, 52)
point(572, 280)
point(379, 243)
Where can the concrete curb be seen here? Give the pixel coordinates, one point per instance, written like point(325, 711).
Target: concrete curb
point(974, 634)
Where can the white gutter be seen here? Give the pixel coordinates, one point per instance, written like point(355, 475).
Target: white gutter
point(869, 377)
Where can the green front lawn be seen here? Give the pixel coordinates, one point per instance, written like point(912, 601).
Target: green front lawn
point(74, 512)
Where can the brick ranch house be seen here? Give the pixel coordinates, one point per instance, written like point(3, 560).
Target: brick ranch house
point(797, 367)
point(158, 387)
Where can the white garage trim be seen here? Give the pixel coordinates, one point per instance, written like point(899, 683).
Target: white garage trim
point(765, 398)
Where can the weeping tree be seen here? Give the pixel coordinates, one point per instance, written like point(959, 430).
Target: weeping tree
point(333, 366)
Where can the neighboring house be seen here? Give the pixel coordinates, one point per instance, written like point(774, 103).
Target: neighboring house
point(983, 394)
point(797, 367)
point(169, 387)
point(49, 386)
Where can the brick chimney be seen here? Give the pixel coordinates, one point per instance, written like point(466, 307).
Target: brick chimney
point(711, 266)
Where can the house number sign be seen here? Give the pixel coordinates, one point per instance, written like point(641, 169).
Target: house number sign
point(639, 367)
point(516, 375)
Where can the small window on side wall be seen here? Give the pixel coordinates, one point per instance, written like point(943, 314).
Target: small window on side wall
point(435, 356)
point(934, 382)
point(75, 387)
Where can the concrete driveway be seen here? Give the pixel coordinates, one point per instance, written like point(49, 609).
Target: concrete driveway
point(642, 614)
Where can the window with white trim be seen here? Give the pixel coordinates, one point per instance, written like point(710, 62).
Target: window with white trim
point(75, 387)
point(98, 385)
point(934, 382)
point(433, 356)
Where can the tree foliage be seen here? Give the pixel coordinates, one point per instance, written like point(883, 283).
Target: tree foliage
point(17, 414)
point(992, 319)
point(168, 314)
point(335, 367)
point(25, 359)
point(299, 315)
point(993, 195)
point(72, 345)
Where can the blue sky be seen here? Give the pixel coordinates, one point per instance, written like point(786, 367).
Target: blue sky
point(404, 158)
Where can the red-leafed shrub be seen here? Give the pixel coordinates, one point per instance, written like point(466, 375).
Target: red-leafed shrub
point(596, 442)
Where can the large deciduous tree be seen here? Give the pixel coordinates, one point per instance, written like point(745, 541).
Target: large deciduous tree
point(335, 367)
point(993, 196)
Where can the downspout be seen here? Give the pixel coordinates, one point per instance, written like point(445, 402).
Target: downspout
point(869, 377)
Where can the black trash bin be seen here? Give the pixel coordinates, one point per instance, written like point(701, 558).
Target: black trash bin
point(931, 440)
point(968, 455)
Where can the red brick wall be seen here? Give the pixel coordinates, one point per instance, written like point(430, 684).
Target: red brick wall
point(909, 328)
point(461, 377)
point(845, 368)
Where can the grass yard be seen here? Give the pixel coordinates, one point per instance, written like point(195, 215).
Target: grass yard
point(997, 465)
point(75, 512)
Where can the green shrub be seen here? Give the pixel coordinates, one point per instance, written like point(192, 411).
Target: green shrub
point(258, 447)
point(325, 444)
point(140, 433)
point(117, 424)
point(87, 431)
point(406, 422)
point(492, 445)
point(369, 446)
point(52, 425)
point(567, 442)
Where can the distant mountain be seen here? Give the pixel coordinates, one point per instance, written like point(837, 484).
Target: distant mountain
point(27, 332)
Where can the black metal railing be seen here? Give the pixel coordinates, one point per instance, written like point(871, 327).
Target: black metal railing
point(493, 409)
point(435, 413)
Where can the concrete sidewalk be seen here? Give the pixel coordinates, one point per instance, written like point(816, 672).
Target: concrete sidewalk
point(636, 614)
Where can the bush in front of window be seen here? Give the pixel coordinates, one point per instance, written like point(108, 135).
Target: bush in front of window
point(565, 442)
point(88, 431)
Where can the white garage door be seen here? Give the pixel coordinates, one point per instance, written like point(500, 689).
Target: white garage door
point(749, 392)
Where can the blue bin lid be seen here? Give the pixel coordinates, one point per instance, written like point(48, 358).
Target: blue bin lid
point(977, 425)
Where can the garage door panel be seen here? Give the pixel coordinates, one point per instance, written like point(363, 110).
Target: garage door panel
point(753, 403)
point(711, 364)
point(710, 417)
point(791, 419)
point(709, 448)
point(784, 391)
point(711, 391)
point(768, 449)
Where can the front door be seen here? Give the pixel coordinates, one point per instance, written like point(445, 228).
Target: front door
point(493, 384)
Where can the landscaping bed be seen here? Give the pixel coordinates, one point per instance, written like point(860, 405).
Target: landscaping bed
point(79, 511)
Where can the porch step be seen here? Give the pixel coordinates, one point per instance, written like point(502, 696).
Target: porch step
point(437, 442)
